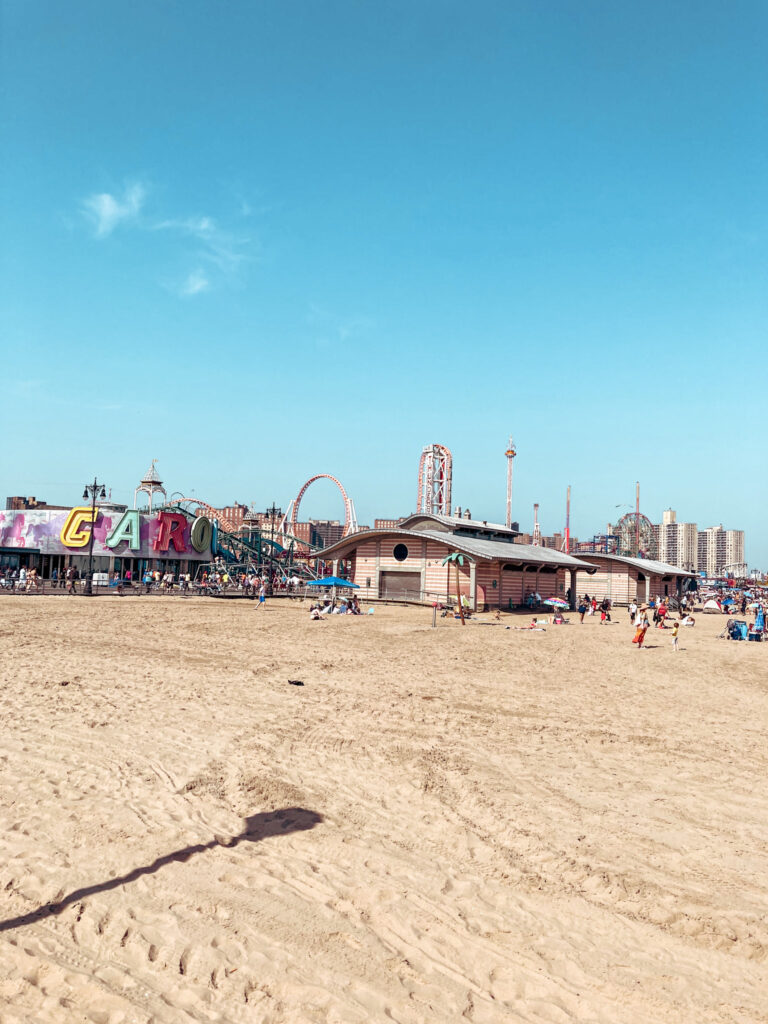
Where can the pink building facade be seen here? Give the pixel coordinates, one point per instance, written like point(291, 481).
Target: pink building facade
point(622, 579)
point(406, 563)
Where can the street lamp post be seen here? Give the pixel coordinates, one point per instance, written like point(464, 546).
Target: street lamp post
point(91, 491)
point(272, 512)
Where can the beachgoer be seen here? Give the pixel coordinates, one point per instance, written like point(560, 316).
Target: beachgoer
point(582, 610)
point(675, 631)
point(262, 597)
point(642, 629)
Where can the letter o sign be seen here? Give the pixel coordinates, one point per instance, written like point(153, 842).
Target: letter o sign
point(201, 534)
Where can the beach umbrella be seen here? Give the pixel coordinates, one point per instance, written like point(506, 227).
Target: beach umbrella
point(556, 602)
point(728, 600)
point(332, 581)
point(754, 604)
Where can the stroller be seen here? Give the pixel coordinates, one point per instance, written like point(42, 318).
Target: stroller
point(735, 629)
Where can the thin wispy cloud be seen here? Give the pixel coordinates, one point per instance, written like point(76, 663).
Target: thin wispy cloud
point(217, 246)
point(106, 211)
point(212, 253)
point(195, 283)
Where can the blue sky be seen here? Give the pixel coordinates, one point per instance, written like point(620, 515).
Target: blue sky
point(264, 240)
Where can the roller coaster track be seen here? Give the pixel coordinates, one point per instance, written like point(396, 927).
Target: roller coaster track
point(291, 517)
point(230, 539)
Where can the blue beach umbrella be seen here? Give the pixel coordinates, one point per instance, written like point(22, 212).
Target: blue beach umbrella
point(333, 581)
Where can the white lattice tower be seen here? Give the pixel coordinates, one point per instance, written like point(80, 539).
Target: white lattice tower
point(435, 480)
point(536, 527)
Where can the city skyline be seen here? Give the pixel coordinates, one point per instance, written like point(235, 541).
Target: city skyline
point(286, 240)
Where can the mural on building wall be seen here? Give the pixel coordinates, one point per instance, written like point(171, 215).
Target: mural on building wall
point(61, 531)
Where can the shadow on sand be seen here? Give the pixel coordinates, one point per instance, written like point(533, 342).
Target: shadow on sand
point(258, 827)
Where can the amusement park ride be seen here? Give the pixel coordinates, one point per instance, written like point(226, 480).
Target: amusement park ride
point(435, 480)
point(636, 536)
point(245, 546)
point(291, 517)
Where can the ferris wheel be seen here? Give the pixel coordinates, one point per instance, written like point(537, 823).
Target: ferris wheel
point(637, 538)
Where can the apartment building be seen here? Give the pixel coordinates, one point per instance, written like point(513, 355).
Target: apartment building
point(719, 549)
point(677, 543)
point(709, 551)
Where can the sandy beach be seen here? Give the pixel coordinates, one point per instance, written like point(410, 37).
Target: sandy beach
point(440, 825)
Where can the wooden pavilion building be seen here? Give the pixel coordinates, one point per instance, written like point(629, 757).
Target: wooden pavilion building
point(621, 579)
point(405, 563)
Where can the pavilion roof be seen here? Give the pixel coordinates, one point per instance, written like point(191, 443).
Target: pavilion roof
point(646, 565)
point(481, 548)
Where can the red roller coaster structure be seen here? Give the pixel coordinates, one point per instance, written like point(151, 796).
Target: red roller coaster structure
point(196, 505)
point(435, 479)
point(291, 517)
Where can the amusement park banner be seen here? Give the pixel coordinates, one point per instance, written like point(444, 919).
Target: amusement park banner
point(115, 532)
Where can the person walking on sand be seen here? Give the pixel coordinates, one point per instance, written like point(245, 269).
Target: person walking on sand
point(642, 629)
point(582, 609)
point(262, 596)
point(675, 631)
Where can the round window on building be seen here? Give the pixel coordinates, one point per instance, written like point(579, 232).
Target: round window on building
point(400, 552)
